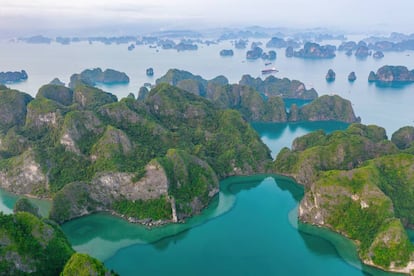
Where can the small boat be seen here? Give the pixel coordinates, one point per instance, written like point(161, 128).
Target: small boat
point(267, 63)
point(269, 71)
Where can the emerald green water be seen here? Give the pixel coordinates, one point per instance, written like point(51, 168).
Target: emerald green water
point(250, 228)
point(7, 201)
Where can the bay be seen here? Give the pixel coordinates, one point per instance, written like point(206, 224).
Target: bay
point(250, 228)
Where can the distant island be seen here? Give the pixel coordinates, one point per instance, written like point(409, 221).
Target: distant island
point(312, 50)
point(392, 75)
point(226, 53)
point(94, 76)
point(13, 77)
point(330, 75)
point(262, 100)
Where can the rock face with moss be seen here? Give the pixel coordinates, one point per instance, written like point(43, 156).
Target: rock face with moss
point(392, 74)
point(155, 159)
point(30, 245)
point(359, 184)
point(13, 107)
point(326, 108)
point(82, 264)
point(404, 137)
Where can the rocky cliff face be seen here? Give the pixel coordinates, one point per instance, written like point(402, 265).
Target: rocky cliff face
point(31, 246)
point(23, 175)
point(13, 107)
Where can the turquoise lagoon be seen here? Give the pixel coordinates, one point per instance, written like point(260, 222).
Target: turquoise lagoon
point(250, 228)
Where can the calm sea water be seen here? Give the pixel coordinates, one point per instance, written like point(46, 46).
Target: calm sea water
point(251, 227)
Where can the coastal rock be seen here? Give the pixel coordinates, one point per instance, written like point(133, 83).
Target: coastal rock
point(240, 44)
point(79, 263)
point(186, 46)
point(352, 77)
point(90, 97)
point(347, 46)
point(314, 50)
point(271, 55)
point(79, 127)
point(289, 52)
point(142, 93)
point(330, 76)
point(149, 72)
point(57, 93)
point(392, 74)
point(362, 51)
point(93, 76)
point(372, 77)
point(378, 55)
point(57, 81)
point(329, 108)
point(13, 108)
point(109, 187)
point(43, 113)
point(403, 138)
point(226, 53)
point(131, 47)
point(276, 42)
point(285, 88)
point(254, 53)
point(24, 205)
point(13, 77)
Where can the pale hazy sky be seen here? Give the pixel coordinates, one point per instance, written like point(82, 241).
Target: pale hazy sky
point(40, 15)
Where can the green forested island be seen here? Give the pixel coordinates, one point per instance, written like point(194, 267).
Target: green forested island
point(30, 245)
point(159, 158)
point(358, 183)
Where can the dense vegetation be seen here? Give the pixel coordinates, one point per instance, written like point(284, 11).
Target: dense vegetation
point(82, 264)
point(359, 184)
point(30, 245)
point(89, 151)
point(263, 100)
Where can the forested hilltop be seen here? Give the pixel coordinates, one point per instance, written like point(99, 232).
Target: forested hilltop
point(359, 184)
point(31, 245)
point(157, 159)
point(263, 100)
